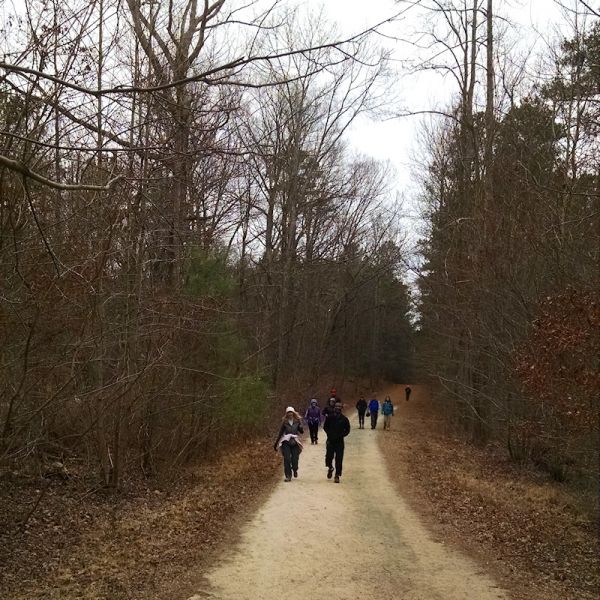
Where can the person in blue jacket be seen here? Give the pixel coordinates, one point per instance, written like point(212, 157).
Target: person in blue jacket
point(387, 410)
point(374, 412)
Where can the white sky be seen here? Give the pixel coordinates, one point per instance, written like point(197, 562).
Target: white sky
point(396, 140)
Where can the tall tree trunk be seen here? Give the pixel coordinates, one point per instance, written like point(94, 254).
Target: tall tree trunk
point(489, 118)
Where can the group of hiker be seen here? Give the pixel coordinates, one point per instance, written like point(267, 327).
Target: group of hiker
point(372, 410)
point(335, 425)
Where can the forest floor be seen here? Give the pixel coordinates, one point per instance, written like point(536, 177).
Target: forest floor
point(436, 517)
point(151, 540)
point(537, 537)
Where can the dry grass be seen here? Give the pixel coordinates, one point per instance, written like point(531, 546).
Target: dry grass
point(152, 542)
point(536, 535)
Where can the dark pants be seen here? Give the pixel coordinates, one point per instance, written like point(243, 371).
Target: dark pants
point(361, 419)
point(374, 416)
point(314, 431)
point(290, 458)
point(335, 448)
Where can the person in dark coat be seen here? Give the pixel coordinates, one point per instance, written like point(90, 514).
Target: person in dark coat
point(333, 394)
point(289, 442)
point(361, 407)
point(374, 412)
point(329, 408)
point(312, 418)
point(407, 391)
point(337, 427)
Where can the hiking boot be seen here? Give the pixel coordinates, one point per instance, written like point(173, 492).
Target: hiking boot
point(287, 479)
point(295, 473)
point(329, 472)
point(337, 479)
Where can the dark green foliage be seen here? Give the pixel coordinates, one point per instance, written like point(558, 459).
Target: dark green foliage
point(209, 275)
point(243, 401)
point(242, 396)
point(488, 267)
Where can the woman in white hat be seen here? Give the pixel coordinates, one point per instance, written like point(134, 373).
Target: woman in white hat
point(289, 442)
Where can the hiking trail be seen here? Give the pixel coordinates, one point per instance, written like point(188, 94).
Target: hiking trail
point(318, 540)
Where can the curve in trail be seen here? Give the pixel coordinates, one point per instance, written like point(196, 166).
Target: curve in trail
point(318, 540)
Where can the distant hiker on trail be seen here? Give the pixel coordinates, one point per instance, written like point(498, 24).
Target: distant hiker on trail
point(333, 394)
point(374, 412)
point(328, 410)
point(312, 416)
point(337, 427)
point(361, 407)
point(407, 391)
point(289, 442)
point(387, 410)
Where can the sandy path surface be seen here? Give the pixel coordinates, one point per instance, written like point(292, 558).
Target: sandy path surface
point(317, 540)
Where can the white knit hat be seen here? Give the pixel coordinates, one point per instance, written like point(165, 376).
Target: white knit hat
point(289, 409)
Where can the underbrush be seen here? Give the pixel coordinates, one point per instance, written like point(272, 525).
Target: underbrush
point(539, 535)
point(62, 539)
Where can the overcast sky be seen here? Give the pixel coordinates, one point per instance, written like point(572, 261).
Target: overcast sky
point(396, 140)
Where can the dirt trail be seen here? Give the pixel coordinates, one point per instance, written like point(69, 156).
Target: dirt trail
point(319, 540)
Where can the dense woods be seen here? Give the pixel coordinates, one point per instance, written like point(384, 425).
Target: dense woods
point(185, 236)
point(509, 325)
point(195, 234)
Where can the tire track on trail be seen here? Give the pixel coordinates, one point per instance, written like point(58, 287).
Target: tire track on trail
point(319, 540)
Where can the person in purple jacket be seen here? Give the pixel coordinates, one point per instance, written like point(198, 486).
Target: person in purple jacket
point(312, 417)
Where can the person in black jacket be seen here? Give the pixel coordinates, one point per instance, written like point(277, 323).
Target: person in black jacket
point(328, 409)
point(289, 442)
point(337, 427)
point(361, 407)
point(333, 394)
